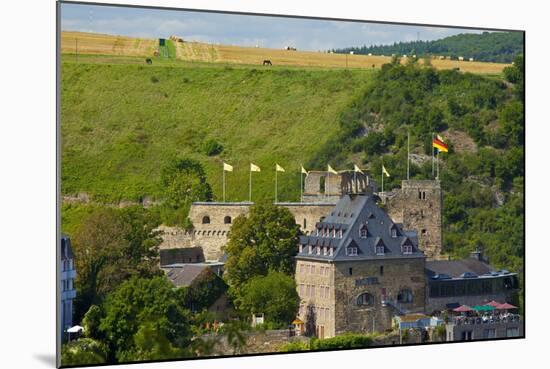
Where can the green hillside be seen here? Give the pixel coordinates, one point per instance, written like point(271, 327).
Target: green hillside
point(500, 47)
point(122, 124)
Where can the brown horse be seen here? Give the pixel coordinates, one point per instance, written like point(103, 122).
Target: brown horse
point(267, 62)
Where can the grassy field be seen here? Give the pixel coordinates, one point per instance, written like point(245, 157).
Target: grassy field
point(89, 43)
point(122, 123)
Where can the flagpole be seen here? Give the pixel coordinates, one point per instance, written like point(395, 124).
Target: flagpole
point(301, 185)
point(433, 155)
point(437, 163)
point(250, 186)
point(382, 178)
point(223, 184)
point(354, 181)
point(408, 153)
point(276, 184)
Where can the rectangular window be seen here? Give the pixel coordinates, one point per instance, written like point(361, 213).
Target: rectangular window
point(512, 332)
point(308, 290)
point(302, 290)
point(313, 269)
point(312, 291)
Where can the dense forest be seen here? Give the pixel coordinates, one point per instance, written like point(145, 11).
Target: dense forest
point(500, 47)
point(482, 176)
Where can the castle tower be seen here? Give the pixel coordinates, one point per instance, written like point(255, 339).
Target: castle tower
point(418, 205)
point(321, 186)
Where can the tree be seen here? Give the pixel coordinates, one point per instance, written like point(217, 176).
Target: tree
point(185, 182)
point(274, 295)
point(110, 246)
point(516, 75)
point(150, 343)
point(265, 240)
point(84, 351)
point(91, 322)
point(145, 307)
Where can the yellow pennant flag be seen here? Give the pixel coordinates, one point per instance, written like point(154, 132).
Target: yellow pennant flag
point(279, 168)
point(304, 170)
point(227, 167)
point(331, 170)
point(385, 171)
point(254, 168)
point(357, 169)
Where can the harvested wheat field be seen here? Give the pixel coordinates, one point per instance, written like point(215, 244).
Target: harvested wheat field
point(195, 51)
point(99, 44)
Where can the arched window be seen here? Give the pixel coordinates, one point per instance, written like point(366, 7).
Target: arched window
point(206, 219)
point(227, 219)
point(405, 296)
point(365, 299)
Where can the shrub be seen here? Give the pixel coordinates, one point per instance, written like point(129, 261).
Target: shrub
point(212, 147)
point(345, 341)
point(295, 346)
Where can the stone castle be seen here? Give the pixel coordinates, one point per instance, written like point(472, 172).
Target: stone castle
point(417, 206)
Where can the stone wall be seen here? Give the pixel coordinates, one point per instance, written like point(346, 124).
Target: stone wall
point(315, 284)
point(257, 342)
point(418, 205)
point(212, 222)
point(351, 279)
point(321, 186)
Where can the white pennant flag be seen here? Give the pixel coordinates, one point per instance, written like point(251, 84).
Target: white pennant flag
point(279, 168)
point(227, 167)
point(357, 169)
point(254, 168)
point(304, 170)
point(331, 170)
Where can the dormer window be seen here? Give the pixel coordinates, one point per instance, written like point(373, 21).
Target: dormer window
point(393, 231)
point(352, 251)
point(380, 248)
point(340, 233)
point(407, 247)
point(318, 250)
point(301, 247)
point(330, 251)
point(363, 231)
point(334, 233)
point(324, 250)
point(310, 249)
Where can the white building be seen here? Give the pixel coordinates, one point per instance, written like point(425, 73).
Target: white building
point(67, 277)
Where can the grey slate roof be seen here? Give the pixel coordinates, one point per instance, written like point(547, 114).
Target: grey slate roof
point(351, 213)
point(456, 268)
point(182, 275)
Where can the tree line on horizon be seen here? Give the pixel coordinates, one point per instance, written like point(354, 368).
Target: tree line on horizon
point(498, 47)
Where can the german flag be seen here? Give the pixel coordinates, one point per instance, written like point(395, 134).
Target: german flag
point(439, 144)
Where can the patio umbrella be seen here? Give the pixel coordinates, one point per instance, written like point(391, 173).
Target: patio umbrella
point(462, 309)
point(483, 308)
point(506, 306)
point(75, 329)
point(493, 303)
